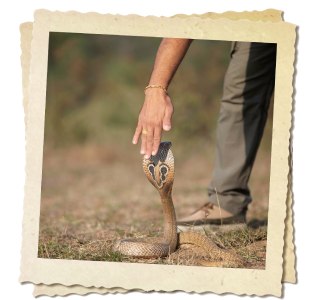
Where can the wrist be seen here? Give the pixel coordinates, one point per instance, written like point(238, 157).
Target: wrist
point(155, 87)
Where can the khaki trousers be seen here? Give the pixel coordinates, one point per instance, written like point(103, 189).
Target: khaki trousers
point(248, 87)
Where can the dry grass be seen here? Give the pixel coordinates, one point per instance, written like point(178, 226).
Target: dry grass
point(249, 243)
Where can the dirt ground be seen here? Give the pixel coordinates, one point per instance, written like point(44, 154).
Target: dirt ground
point(93, 195)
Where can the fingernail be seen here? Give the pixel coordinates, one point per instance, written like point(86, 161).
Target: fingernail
point(167, 127)
point(146, 156)
point(154, 152)
point(142, 152)
point(134, 142)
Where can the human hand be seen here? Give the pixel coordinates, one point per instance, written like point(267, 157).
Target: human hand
point(155, 116)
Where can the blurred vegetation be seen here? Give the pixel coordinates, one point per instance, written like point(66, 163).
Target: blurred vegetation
point(95, 88)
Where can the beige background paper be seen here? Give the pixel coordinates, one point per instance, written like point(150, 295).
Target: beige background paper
point(289, 273)
point(171, 278)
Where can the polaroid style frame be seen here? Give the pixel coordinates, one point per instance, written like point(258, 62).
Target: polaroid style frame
point(142, 276)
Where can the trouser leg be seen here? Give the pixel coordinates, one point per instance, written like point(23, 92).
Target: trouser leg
point(248, 87)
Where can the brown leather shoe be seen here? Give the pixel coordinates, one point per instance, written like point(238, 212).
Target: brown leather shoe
point(210, 213)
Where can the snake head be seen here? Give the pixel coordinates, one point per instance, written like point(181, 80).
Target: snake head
point(159, 168)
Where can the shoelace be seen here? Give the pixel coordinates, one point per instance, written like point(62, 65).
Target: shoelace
point(206, 208)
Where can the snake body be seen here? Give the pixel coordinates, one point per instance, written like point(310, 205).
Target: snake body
point(159, 170)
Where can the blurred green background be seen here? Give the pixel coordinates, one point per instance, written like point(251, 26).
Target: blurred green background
point(95, 88)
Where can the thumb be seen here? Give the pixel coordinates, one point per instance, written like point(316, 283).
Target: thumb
point(167, 121)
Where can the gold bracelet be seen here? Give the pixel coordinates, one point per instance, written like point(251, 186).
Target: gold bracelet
point(153, 86)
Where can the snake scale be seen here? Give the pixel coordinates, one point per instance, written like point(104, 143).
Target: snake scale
point(159, 170)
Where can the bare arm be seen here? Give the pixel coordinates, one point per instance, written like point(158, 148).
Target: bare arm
point(157, 110)
point(169, 56)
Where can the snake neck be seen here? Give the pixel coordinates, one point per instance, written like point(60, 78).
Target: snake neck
point(170, 231)
point(159, 170)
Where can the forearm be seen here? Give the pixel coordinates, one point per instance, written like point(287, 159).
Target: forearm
point(169, 56)
point(157, 110)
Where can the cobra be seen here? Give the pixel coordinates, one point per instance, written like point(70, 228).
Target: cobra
point(159, 170)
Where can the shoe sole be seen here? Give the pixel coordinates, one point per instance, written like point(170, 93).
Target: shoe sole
point(230, 220)
point(217, 228)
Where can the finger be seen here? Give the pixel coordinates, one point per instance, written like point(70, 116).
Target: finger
point(137, 134)
point(167, 120)
point(157, 139)
point(149, 142)
point(143, 141)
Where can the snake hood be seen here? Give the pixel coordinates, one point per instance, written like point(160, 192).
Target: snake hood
point(159, 168)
